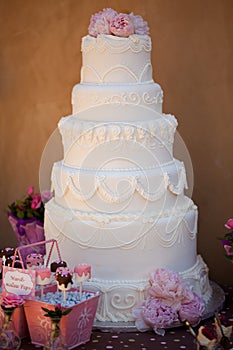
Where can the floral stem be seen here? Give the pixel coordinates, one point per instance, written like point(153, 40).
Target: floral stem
point(7, 318)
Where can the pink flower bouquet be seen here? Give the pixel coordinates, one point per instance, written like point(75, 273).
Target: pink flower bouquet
point(32, 206)
point(169, 301)
point(110, 22)
point(9, 304)
point(26, 217)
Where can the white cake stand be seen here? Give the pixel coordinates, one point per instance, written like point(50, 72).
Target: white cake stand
point(214, 305)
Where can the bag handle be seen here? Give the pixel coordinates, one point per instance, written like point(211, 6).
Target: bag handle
point(54, 243)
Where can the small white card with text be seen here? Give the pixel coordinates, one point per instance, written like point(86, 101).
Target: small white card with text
point(19, 282)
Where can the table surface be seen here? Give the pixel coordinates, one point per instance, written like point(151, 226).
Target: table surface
point(174, 339)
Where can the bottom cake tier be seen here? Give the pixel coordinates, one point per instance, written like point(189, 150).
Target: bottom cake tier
point(119, 297)
point(124, 249)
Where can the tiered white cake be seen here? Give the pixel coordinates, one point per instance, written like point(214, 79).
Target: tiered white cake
point(119, 201)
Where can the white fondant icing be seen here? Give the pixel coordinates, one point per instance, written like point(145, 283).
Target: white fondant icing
point(129, 293)
point(130, 190)
point(108, 59)
point(85, 96)
point(123, 237)
point(135, 143)
point(119, 193)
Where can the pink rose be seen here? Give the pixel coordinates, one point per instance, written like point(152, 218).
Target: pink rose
point(140, 26)
point(12, 301)
point(98, 25)
point(229, 224)
point(30, 190)
point(122, 25)
point(36, 201)
point(46, 195)
point(193, 310)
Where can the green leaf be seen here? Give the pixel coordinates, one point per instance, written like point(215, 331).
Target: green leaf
point(44, 309)
point(66, 312)
point(20, 214)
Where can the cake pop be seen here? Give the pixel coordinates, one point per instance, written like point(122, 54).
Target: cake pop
point(63, 276)
point(82, 273)
point(43, 277)
point(34, 260)
point(57, 263)
point(6, 252)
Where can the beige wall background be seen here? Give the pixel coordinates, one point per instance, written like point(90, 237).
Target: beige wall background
point(192, 58)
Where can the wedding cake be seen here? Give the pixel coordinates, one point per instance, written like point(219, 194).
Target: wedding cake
point(119, 202)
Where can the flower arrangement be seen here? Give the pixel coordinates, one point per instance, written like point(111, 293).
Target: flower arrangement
point(110, 22)
point(9, 339)
point(227, 241)
point(55, 341)
point(8, 304)
point(170, 300)
point(32, 206)
point(57, 313)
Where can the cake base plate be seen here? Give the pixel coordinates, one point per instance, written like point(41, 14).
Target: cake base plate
point(215, 304)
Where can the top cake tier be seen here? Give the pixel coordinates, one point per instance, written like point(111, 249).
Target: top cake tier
point(112, 59)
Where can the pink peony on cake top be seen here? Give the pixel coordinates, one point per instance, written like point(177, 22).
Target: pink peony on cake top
point(110, 22)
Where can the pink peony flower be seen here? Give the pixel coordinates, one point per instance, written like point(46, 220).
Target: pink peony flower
point(46, 195)
point(158, 315)
point(137, 313)
point(140, 26)
point(98, 25)
point(122, 25)
point(12, 301)
point(30, 190)
point(229, 224)
point(36, 201)
point(169, 287)
point(109, 14)
point(169, 300)
point(193, 310)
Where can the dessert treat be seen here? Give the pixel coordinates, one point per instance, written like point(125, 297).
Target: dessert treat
point(43, 276)
point(34, 260)
point(63, 276)
point(57, 263)
point(82, 272)
point(7, 252)
point(120, 200)
point(17, 264)
point(8, 260)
